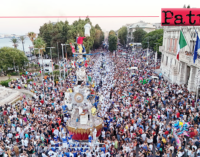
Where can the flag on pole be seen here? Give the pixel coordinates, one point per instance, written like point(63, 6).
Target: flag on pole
point(182, 43)
point(197, 46)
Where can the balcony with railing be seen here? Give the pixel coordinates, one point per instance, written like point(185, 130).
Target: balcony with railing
point(187, 57)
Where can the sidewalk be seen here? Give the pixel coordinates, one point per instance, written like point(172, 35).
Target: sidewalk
point(3, 78)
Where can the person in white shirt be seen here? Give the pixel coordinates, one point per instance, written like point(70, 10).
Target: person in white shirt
point(26, 142)
point(56, 132)
point(144, 136)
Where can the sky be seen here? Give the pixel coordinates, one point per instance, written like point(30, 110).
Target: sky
point(82, 8)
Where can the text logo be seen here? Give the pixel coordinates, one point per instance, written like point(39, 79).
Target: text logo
point(180, 16)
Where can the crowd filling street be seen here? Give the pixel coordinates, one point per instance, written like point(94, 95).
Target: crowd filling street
point(144, 115)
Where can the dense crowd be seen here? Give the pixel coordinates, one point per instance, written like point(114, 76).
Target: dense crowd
point(139, 113)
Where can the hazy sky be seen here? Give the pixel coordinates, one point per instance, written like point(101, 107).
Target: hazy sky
point(82, 8)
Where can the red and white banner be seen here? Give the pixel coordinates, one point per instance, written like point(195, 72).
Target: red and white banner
point(180, 16)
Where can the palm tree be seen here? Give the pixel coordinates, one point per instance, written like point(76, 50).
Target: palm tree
point(22, 38)
point(14, 41)
point(32, 37)
point(40, 44)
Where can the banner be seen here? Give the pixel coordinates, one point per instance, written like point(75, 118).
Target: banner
point(88, 54)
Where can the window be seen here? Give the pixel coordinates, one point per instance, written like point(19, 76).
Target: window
point(171, 62)
point(172, 45)
point(166, 60)
point(168, 44)
point(162, 57)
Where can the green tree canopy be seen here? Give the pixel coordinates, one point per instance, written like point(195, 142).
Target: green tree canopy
point(11, 57)
point(153, 37)
point(139, 34)
point(62, 32)
point(122, 34)
point(111, 33)
point(40, 44)
point(112, 40)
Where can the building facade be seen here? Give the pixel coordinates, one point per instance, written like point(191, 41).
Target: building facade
point(183, 71)
point(148, 27)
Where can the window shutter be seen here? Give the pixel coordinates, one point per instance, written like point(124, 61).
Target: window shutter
point(170, 47)
point(175, 45)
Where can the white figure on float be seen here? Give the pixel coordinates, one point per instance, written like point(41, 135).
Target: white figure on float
point(69, 106)
point(81, 73)
point(94, 135)
point(87, 29)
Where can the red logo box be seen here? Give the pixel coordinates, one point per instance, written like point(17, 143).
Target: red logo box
point(180, 16)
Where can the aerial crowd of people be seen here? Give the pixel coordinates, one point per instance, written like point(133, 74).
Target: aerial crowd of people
point(144, 115)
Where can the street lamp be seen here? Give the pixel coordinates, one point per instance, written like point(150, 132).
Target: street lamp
point(147, 50)
point(63, 57)
point(42, 69)
point(51, 61)
point(156, 56)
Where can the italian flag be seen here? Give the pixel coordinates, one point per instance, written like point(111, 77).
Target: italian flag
point(182, 43)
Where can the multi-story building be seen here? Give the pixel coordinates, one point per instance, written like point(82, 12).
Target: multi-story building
point(148, 27)
point(182, 71)
point(157, 25)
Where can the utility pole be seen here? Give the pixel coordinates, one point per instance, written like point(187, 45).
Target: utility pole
point(42, 70)
point(147, 51)
point(52, 62)
point(58, 61)
point(156, 56)
point(66, 57)
point(63, 59)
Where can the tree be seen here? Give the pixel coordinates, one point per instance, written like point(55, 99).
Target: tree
point(112, 40)
point(139, 34)
point(15, 42)
point(40, 44)
point(122, 34)
point(31, 36)
point(111, 33)
point(188, 6)
point(184, 6)
point(99, 36)
point(63, 32)
point(153, 37)
point(11, 57)
point(45, 33)
point(22, 38)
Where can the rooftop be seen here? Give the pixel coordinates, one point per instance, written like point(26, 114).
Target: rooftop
point(142, 24)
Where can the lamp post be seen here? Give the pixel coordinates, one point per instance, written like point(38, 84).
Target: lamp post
point(147, 50)
point(63, 56)
point(58, 60)
point(42, 69)
point(51, 61)
point(156, 55)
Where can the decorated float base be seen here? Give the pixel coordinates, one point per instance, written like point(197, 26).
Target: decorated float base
point(81, 132)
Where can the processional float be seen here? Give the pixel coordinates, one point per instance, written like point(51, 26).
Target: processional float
point(83, 123)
